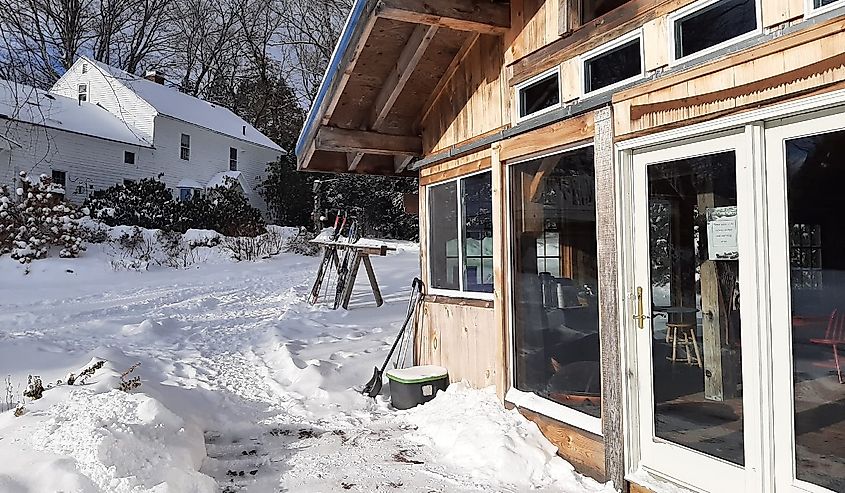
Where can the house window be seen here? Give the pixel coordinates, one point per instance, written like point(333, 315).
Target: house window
point(185, 147)
point(129, 158)
point(59, 178)
point(83, 93)
point(186, 194)
point(555, 282)
point(614, 64)
point(461, 234)
point(127, 182)
point(233, 159)
point(539, 94)
point(593, 9)
point(84, 68)
point(805, 251)
point(817, 4)
point(712, 24)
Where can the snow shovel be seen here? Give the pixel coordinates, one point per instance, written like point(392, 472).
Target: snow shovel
point(373, 387)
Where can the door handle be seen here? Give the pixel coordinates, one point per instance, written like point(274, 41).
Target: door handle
point(640, 317)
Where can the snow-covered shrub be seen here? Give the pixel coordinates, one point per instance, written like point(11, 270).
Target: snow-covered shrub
point(146, 203)
point(36, 219)
point(300, 244)
point(176, 251)
point(250, 248)
point(224, 209)
point(133, 250)
point(129, 384)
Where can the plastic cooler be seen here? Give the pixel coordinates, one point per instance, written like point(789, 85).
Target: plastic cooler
point(416, 385)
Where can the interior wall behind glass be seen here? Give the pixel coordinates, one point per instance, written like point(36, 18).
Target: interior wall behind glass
point(444, 259)
point(555, 282)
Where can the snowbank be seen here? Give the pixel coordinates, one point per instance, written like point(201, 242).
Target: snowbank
point(475, 432)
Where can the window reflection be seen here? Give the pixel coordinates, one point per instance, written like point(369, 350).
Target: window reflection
point(477, 195)
point(556, 333)
point(443, 207)
point(815, 172)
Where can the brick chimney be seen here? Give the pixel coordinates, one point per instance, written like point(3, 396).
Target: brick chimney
point(156, 76)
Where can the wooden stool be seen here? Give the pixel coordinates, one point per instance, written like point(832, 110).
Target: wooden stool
point(687, 338)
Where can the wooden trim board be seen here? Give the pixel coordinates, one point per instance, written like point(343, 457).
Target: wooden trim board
point(573, 130)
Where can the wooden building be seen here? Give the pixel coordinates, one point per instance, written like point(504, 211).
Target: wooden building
point(631, 220)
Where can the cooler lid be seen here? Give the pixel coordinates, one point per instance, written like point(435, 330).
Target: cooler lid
point(417, 374)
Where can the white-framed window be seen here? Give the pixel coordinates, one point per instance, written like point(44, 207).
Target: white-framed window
point(460, 216)
point(233, 159)
point(539, 94)
point(186, 194)
point(554, 322)
point(613, 64)
point(84, 68)
point(816, 7)
point(129, 158)
point(185, 147)
point(82, 93)
point(710, 25)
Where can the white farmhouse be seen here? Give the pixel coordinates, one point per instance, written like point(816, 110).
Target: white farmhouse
point(99, 126)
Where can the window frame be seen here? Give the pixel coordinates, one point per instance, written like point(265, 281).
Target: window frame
point(521, 398)
point(810, 9)
point(605, 48)
point(134, 158)
point(555, 71)
point(235, 160)
point(460, 292)
point(674, 17)
point(82, 92)
point(183, 149)
point(53, 177)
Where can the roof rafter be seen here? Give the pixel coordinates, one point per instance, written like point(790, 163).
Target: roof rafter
point(360, 141)
point(463, 15)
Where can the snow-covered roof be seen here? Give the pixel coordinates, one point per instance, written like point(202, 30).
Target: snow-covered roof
point(175, 104)
point(189, 183)
point(27, 104)
point(219, 179)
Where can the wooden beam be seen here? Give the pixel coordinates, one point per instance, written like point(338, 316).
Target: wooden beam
point(401, 162)
point(355, 141)
point(354, 160)
point(305, 158)
point(401, 73)
point(462, 15)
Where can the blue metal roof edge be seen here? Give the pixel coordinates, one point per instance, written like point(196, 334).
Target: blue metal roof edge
point(331, 71)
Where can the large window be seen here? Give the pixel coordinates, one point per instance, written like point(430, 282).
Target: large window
point(233, 159)
point(555, 282)
point(713, 24)
point(461, 234)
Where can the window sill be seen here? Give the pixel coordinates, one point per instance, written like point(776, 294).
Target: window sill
point(561, 413)
point(461, 299)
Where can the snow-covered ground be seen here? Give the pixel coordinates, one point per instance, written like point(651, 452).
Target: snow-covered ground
point(245, 387)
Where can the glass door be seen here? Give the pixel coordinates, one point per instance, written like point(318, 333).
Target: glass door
point(806, 208)
point(693, 256)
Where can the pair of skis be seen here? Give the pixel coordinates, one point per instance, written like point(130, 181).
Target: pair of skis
point(343, 269)
point(329, 257)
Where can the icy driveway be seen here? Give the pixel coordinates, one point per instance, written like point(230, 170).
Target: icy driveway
point(241, 380)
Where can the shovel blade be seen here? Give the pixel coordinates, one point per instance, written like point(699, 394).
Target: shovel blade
point(373, 387)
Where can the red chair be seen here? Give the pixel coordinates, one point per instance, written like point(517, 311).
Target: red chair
point(834, 336)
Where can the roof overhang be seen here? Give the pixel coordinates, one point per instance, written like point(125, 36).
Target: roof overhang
point(390, 65)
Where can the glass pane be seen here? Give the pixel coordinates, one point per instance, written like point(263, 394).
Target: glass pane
point(443, 230)
point(556, 324)
point(614, 66)
point(713, 25)
point(591, 9)
point(822, 3)
point(696, 345)
point(815, 172)
point(477, 193)
point(540, 95)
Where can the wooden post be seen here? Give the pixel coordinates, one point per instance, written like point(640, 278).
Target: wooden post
point(720, 382)
point(500, 272)
point(609, 323)
point(371, 275)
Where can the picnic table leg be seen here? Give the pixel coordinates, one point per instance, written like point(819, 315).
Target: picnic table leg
point(371, 275)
